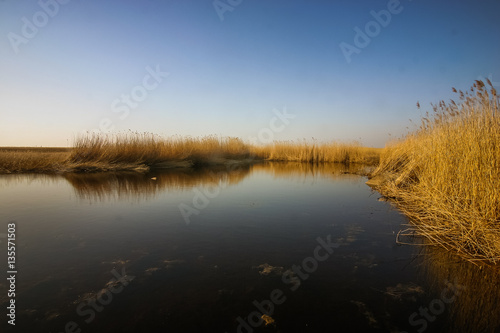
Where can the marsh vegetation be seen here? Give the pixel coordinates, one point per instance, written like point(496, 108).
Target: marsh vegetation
point(446, 175)
point(144, 151)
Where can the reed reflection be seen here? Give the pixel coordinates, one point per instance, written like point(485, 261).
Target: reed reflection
point(476, 307)
point(30, 178)
point(315, 170)
point(126, 185)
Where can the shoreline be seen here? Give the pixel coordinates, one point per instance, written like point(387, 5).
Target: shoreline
point(91, 168)
point(141, 153)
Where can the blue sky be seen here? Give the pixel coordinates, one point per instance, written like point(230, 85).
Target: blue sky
point(67, 67)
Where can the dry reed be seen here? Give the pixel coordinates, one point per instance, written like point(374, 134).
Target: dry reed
point(142, 151)
point(446, 176)
point(145, 150)
point(14, 160)
point(334, 152)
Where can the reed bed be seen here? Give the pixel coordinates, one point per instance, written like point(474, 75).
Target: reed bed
point(446, 175)
point(15, 160)
point(334, 152)
point(143, 151)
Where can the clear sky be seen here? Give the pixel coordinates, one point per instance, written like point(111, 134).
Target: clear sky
point(345, 70)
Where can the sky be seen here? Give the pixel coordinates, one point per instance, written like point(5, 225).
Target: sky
point(260, 70)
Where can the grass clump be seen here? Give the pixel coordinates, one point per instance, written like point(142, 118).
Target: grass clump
point(150, 150)
point(446, 176)
point(333, 152)
point(14, 160)
point(144, 151)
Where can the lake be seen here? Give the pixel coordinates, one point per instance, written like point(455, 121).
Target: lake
point(271, 247)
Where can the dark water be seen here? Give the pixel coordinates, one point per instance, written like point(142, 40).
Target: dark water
point(212, 250)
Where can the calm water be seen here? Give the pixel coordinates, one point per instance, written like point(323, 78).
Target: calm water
point(212, 250)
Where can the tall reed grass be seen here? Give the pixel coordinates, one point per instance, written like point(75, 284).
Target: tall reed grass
point(150, 150)
point(153, 151)
point(334, 152)
point(142, 151)
point(14, 160)
point(446, 176)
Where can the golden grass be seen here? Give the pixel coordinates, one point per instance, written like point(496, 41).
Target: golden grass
point(333, 152)
point(446, 176)
point(143, 151)
point(14, 160)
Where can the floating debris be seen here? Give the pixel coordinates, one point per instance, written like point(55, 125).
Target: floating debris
point(363, 309)
point(405, 292)
point(268, 320)
point(151, 270)
point(266, 269)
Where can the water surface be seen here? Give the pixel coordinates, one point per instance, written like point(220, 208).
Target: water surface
point(209, 250)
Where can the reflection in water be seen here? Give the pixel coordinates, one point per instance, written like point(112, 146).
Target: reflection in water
point(202, 277)
point(323, 170)
point(102, 186)
point(476, 307)
point(7, 180)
